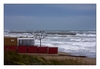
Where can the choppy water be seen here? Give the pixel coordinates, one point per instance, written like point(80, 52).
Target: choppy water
point(81, 44)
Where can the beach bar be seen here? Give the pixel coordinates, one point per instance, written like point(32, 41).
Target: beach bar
point(26, 45)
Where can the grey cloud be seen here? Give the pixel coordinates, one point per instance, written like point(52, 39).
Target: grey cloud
point(50, 23)
point(77, 6)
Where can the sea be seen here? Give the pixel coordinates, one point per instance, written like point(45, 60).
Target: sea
point(77, 42)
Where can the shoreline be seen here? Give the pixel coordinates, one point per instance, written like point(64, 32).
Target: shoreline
point(64, 56)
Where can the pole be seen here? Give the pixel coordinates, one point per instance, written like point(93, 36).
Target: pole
point(40, 42)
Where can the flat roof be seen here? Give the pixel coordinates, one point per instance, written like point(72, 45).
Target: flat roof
point(25, 38)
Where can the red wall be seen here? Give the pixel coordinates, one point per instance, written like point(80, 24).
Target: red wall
point(22, 49)
point(32, 49)
point(42, 49)
point(10, 48)
point(52, 50)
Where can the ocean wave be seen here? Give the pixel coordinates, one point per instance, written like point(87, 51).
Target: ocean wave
point(80, 44)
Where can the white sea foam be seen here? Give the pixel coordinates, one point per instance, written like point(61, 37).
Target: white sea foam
point(74, 45)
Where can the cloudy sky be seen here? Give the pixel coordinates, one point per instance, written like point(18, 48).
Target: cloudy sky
point(49, 16)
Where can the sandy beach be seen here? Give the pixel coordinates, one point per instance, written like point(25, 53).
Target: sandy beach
point(65, 56)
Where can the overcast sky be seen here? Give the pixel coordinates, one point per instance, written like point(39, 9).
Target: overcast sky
point(49, 16)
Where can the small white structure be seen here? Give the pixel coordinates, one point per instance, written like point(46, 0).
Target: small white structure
point(26, 41)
